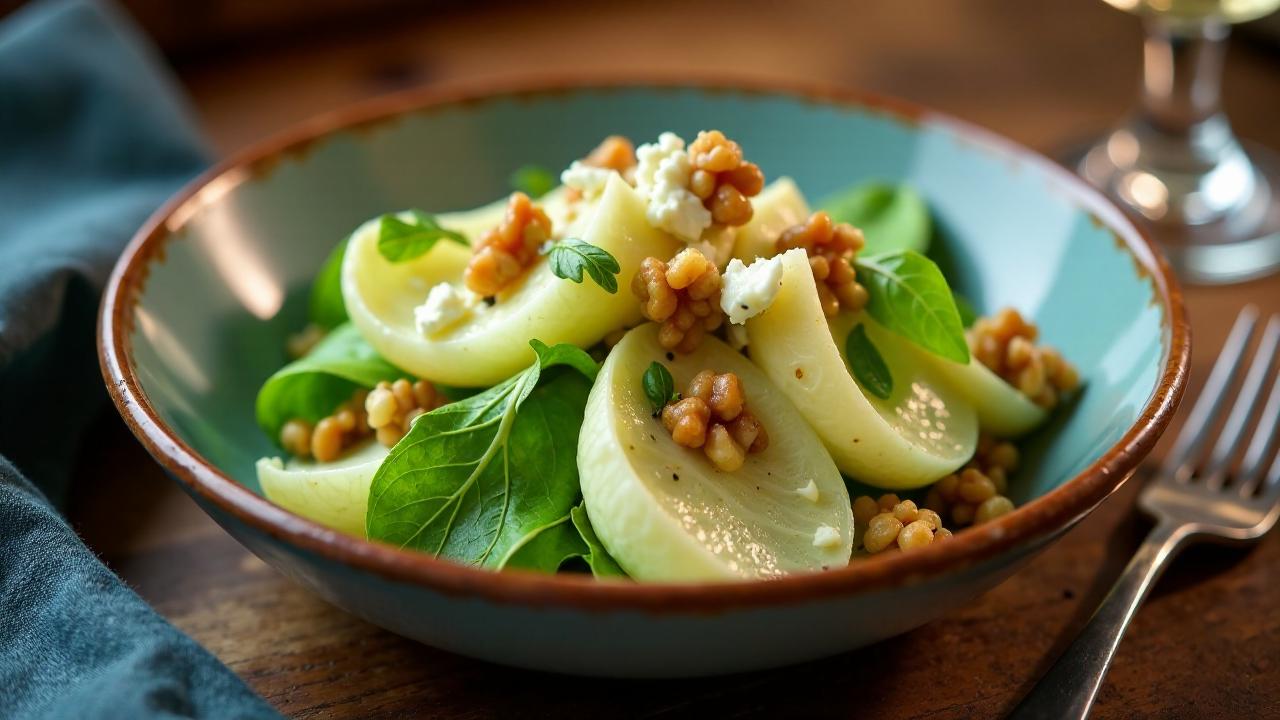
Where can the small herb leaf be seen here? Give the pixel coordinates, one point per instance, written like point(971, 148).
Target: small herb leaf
point(533, 180)
point(869, 368)
point(659, 386)
point(909, 296)
point(400, 240)
point(326, 307)
point(571, 256)
point(891, 217)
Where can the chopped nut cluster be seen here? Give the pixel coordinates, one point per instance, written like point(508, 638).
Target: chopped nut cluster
point(1005, 343)
point(615, 152)
point(683, 294)
point(976, 493)
point(722, 179)
point(713, 415)
point(387, 411)
point(892, 522)
point(831, 248)
point(504, 253)
point(392, 407)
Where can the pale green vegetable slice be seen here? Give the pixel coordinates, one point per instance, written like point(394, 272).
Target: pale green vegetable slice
point(776, 208)
point(334, 494)
point(1002, 410)
point(493, 343)
point(664, 512)
point(924, 430)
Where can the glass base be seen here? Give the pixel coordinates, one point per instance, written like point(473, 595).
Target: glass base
point(1231, 247)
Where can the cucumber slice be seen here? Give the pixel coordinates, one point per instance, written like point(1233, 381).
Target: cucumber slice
point(493, 343)
point(334, 494)
point(665, 512)
point(776, 208)
point(924, 430)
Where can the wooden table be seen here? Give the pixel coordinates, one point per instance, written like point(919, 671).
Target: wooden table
point(1207, 644)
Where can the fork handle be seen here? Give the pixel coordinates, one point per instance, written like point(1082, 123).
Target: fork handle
point(1067, 691)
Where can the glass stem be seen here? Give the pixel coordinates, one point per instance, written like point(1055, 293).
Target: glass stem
point(1182, 72)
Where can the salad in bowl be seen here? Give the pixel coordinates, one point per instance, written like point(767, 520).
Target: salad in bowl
point(664, 367)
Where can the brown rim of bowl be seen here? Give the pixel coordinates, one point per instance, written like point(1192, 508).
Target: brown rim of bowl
point(1034, 521)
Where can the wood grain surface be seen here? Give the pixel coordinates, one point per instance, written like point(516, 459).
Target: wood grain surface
point(1046, 73)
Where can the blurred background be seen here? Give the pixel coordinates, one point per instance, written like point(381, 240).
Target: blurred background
point(1046, 73)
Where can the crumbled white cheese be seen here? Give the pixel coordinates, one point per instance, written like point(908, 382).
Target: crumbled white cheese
point(809, 492)
point(662, 177)
point(736, 335)
point(586, 179)
point(445, 307)
point(826, 537)
point(749, 289)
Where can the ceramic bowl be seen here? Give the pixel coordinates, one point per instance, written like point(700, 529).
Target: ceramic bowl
point(198, 308)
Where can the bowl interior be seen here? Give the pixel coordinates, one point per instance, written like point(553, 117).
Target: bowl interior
point(231, 283)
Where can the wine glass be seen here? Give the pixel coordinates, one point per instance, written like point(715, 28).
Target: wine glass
point(1212, 201)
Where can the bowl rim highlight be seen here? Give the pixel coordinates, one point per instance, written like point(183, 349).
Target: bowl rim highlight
point(1032, 523)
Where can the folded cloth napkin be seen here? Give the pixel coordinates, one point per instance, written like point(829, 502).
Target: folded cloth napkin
point(93, 137)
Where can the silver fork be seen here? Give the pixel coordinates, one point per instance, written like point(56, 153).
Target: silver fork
point(1190, 502)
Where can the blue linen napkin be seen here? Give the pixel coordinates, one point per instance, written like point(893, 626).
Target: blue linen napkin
point(93, 137)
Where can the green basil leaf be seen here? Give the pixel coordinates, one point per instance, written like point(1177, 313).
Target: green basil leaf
point(475, 481)
point(598, 558)
point(532, 180)
point(659, 386)
point(401, 241)
point(909, 296)
point(312, 386)
point(968, 314)
point(891, 217)
point(327, 308)
point(565, 354)
point(869, 367)
point(571, 256)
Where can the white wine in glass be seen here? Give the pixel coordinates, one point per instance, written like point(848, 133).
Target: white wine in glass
point(1228, 11)
point(1212, 201)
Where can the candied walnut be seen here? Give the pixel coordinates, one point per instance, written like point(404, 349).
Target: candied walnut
point(976, 494)
point(504, 253)
point(683, 295)
point(391, 408)
point(713, 415)
point(892, 522)
point(615, 152)
point(831, 248)
point(722, 179)
point(1005, 343)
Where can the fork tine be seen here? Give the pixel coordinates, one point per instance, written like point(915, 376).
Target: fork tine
point(1179, 462)
point(1264, 441)
point(1232, 436)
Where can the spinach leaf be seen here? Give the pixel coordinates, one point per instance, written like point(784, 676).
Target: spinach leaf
point(312, 386)
point(548, 548)
point(601, 562)
point(532, 180)
point(401, 241)
point(570, 256)
point(909, 296)
point(568, 538)
point(869, 367)
point(327, 308)
point(892, 217)
point(659, 386)
point(473, 480)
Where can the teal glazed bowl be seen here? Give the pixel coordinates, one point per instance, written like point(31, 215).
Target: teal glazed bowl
point(196, 314)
